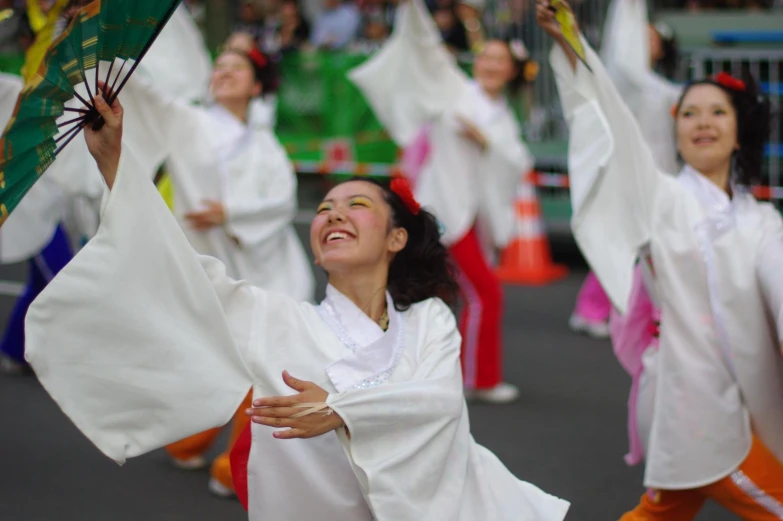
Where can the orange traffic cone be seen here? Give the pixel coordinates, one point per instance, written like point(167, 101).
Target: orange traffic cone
point(528, 258)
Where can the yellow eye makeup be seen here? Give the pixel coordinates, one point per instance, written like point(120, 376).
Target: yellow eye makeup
point(361, 201)
point(324, 207)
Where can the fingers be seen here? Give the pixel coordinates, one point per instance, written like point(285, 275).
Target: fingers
point(295, 384)
point(277, 401)
point(275, 422)
point(291, 434)
point(111, 115)
point(272, 412)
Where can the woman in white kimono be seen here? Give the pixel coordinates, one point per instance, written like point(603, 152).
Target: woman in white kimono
point(469, 179)
point(241, 174)
point(633, 50)
point(716, 426)
point(234, 186)
point(379, 428)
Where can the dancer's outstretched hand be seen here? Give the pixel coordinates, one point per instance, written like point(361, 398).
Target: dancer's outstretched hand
point(105, 144)
point(545, 16)
point(277, 411)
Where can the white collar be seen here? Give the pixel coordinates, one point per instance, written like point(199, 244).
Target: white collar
point(486, 109)
point(231, 134)
point(373, 354)
point(714, 200)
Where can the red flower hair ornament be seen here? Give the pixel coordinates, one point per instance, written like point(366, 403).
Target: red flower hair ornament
point(730, 82)
point(257, 57)
point(402, 188)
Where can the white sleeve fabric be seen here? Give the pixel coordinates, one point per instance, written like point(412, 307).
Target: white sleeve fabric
point(615, 185)
point(769, 269)
point(413, 78)
point(138, 340)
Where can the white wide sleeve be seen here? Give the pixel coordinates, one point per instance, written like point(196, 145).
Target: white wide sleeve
point(769, 271)
point(625, 50)
point(614, 182)
point(138, 340)
point(416, 421)
point(413, 78)
point(156, 124)
point(253, 220)
point(503, 165)
point(178, 63)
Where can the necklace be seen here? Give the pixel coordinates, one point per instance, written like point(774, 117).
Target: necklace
point(384, 320)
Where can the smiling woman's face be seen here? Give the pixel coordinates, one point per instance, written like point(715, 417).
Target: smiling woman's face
point(353, 229)
point(706, 128)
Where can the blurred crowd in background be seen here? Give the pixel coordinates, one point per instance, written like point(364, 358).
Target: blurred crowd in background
point(282, 26)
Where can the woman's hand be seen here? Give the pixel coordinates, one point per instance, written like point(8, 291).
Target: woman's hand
point(472, 133)
point(276, 411)
point(214, 215)
point(545, 16)
point(105, 144)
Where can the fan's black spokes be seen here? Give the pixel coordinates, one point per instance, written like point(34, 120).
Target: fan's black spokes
point(72, 130)
point(74, 120)
point(169, 13)
point(73, 133)
point(84, 101)
point(110, 100)
point(108, 78)
point(81, 111)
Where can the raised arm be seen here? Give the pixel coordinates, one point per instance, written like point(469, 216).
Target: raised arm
point(614, 182)
point(413, 78)
point(139, 340)
point(625, 48)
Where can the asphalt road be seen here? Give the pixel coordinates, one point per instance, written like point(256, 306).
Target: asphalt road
point(566, 434)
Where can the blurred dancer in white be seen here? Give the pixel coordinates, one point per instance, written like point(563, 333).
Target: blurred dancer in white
point(470, 177)
point(640, 58)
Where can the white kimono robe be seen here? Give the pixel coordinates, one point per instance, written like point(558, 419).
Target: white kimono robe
point(412, 81)
point(625, 52)
point(142, 342)
point(212, 155)
point(719, 366)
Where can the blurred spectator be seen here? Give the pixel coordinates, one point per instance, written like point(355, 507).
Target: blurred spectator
point(249, 20)
point(15, 34)
point(337, 26)
point(294, 30)
point(377, 21)
point(451, 29)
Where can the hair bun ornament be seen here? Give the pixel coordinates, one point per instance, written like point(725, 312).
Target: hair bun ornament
point(402, 187)
point(730, 82)
point(518, 50)
point(257, 57)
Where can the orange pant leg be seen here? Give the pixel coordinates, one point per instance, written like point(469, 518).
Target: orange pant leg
point(221, 467)
point(667, 505)
point(193, 446)
point(755, 491)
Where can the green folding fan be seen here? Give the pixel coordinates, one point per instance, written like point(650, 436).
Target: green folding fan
point(110, 36)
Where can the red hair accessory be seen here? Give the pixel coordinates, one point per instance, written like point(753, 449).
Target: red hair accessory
point(402, 188)
point(257, 57)
point(728, 81)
